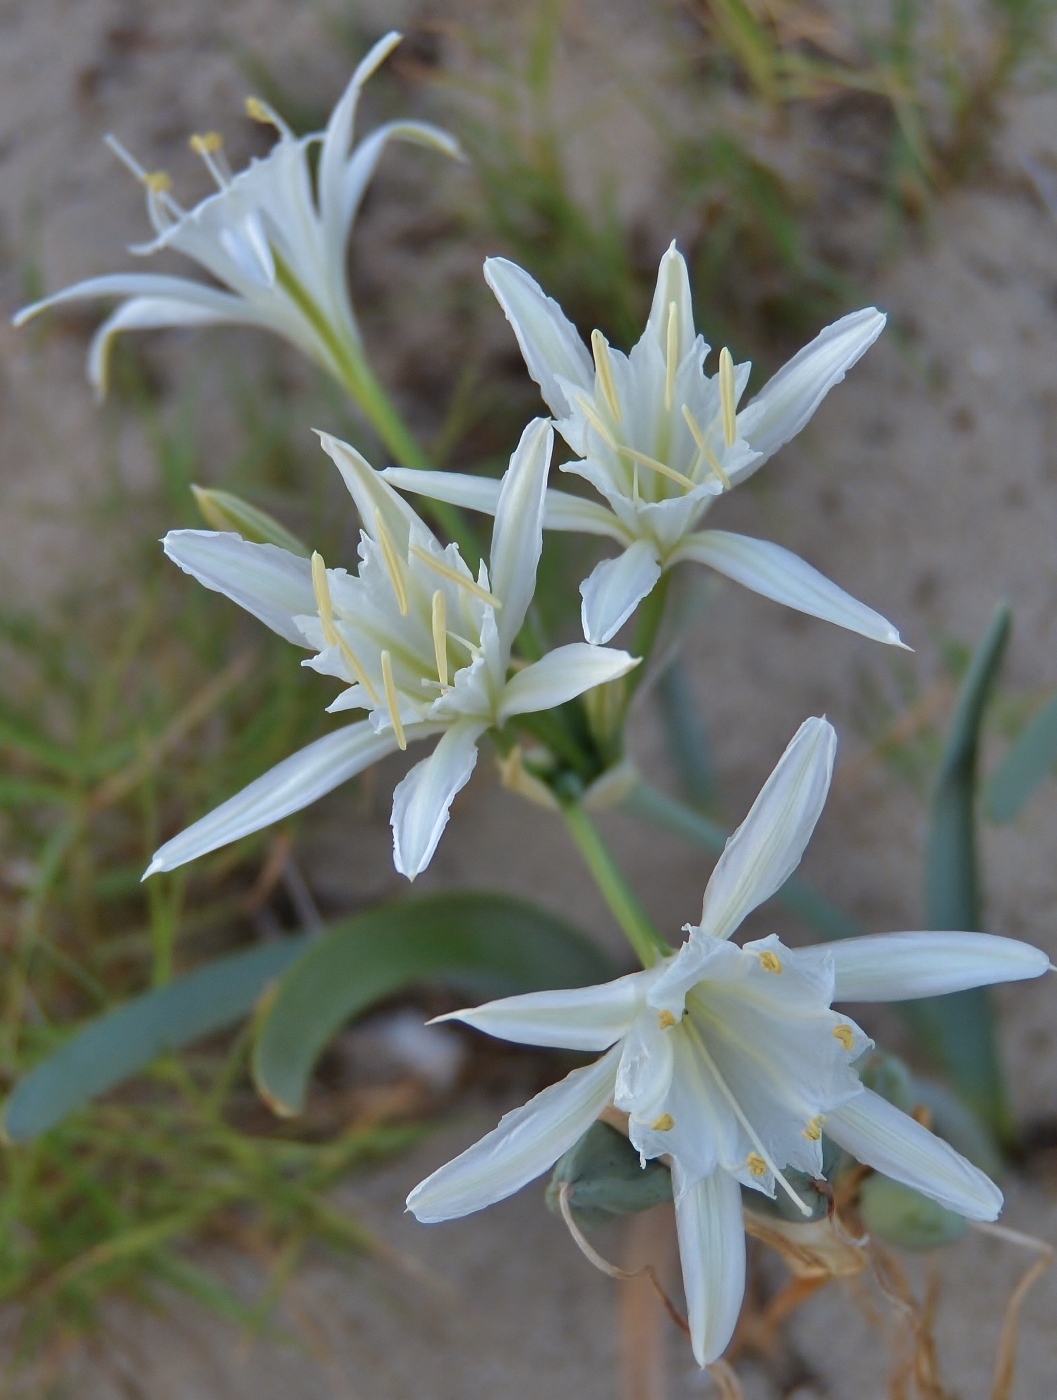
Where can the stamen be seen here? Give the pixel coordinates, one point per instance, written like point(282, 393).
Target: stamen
point(331, 634)
point(770, 962)
point(157, 181)
point(392, 701)
point(813, 1131)
point(207, 144)
point(670, 350)
point(440, 637)
point(258, 112)
point(703, 448)
point(666, 1020)
point(664, 1124)
point(392, 563)
point(756, 1164)
point(656, 466)
point(591, 414)
point(845, 1035)
point(604, 370)
point(726, 397)
point(446, 571)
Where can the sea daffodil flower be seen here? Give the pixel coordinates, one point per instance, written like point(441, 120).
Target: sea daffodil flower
point(420, 644)
point(274, 236)
point(659, 440)
point(730, 1061)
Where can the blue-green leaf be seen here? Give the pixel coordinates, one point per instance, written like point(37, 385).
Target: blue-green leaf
point(1030, 759)
point(481, 945)
point(122, 1042)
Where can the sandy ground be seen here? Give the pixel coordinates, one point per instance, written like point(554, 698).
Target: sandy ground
point(927, 485)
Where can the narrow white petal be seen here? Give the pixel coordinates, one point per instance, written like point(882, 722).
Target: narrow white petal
point(901, 966)
point(581, 1018)
point(673, 288)
point(882, 1137)
point(767, 847)
point(712, 1250)
point(548, 339)
point(422, 799)
point(615, 588)
point(561, 511)
point(517, 538)
point(267, 581)
point(784, 404)
point(292, 784)
point(779, 574)
point(139, 284)
point(359, 171)
point(156, 313)
point(373, 496)
point(527, 1141)
point(562, 675)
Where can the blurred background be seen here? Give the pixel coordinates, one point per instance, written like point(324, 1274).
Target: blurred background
point(176, 1239)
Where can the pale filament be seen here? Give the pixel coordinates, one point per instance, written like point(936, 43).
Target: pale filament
point(158, 182)
point(440, 637)
point(392, 700)
point(259, 111)
point(670, 350)
point(453, 576)
point(392, 563)
point(604, 370)
point(727, 401)
point(703, 449)
point(210, 146)
point(631, 453)
point(331, 635)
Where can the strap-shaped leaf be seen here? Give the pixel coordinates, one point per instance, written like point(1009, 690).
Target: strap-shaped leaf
point(1030, 759)
point(482, 945)
point(958, 1030)
point(123, 1041)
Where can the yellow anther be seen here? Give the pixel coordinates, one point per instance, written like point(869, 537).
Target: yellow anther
point(845, 1035)
point(770, 962)
point(258, 112)
point(726, 397)
point(392, 700)
point(392, 563)
point(703, 447)
point(453, 576)
point(604, 369)
point(664, 1124)
point(158, 181)
point(671, 350)
point(666, 1021)
point(331, 635)
point(756, 1164)
point(813, 1131)
point(440, 636)
point(207, 144)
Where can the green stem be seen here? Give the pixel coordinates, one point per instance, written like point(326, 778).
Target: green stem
point(647, 629)
point(615, 890)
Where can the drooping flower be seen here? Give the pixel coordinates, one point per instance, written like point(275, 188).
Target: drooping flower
point(730, 1061)
point(419, 643)
point(659, 440)
point(274, 236)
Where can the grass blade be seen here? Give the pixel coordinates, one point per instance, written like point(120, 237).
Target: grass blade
point(483, 945)
point(1030, 759)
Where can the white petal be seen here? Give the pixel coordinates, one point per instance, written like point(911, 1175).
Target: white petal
point(644, 1076)
point(902, 966)
point(712, 1250)
point(517, 539)
point(527, 1141)
point(548, 339)
point(561, 511)
point(289, 786)
point(779, 574)
point(421, 800)
point(615, 588)
point(374, 497)
point(360, 169)
point(673, 286)
point(561, 675)
point(767, 847)
point(784, 404)
point(139, 284)
point(882, 1137)
point(583, 1018)
point(267, 581)
point(155, 313)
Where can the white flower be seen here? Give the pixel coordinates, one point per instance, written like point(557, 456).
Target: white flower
point(273, 236)
point(730, 1061)
point(659, 440)
point(420, 644)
